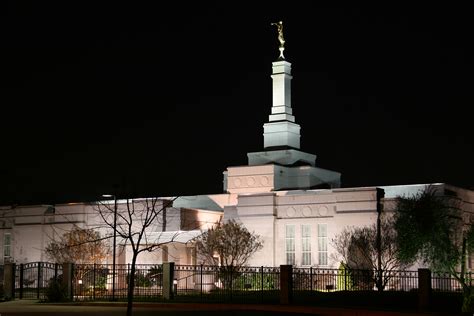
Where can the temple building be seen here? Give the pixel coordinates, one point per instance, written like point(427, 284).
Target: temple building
point(281, 194)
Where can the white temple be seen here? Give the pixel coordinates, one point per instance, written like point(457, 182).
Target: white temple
point(295, 206)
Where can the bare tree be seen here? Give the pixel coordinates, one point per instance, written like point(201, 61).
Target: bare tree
point(78, 245)
point(134, 224)
point(357, 248)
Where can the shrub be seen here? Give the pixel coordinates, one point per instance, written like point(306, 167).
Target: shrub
point(155, 275)
point(344, 279)
point(56, 290)
point(253, 281)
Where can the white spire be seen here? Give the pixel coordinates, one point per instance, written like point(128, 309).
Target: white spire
point(281, 130)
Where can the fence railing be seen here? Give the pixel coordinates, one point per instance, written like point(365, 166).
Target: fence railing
point(1, 280)
point(217, 283)
point(32, 279)
point(95, 281)
point(210, 283)
point(316, 279)
point(445, 282)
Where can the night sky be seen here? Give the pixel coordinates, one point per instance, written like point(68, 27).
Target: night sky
point(153, 100)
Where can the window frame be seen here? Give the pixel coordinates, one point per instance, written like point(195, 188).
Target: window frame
point(322, 244)
point(290, 245)
point(306, 245)
point(7, 246)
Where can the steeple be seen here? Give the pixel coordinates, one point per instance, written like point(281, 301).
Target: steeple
point(281, 165)
point(281, 131)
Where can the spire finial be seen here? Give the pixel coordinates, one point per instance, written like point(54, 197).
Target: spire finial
point(279, 25)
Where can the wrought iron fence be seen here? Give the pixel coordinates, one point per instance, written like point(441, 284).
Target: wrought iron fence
point(213, 283)
point(218, 283)
point(445, 282)
point(316, 279)
point(191, 283)
point(1, 280)
point(32, 279)
point(96, 281)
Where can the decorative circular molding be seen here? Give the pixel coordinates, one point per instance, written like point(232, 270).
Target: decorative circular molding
point(237, 182)
point(250, 181)
point(307, 211)
point(323, 211)
point(290, 212)
point(264, 181)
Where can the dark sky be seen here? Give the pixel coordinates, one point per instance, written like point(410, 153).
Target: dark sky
point(158, 100)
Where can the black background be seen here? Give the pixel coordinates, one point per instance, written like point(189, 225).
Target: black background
point(155, 100)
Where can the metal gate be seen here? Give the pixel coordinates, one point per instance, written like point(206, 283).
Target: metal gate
point(32, 279)
point(1, 280)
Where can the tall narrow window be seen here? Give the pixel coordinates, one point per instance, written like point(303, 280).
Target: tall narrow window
point(323, 244)
point(306, 245)
point(290, 244)
point(7, 242)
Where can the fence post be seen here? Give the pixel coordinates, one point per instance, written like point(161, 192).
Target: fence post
point(286, 284)
point(345, 278)
point(230, 282)
point(68, 279)
point(93, 281)
point(262, 282)
point(424, 288)
point(39, 283)
point(129, 276)
point(55, 272)
point(168, 277)
point(20, 280)
point(9, 281)
point(311, 279)
point(201, 280)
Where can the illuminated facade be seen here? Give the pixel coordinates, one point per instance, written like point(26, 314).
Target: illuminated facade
point(27, 230)
point(296, 207)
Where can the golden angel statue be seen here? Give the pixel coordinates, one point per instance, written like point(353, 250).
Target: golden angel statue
point(279, 25)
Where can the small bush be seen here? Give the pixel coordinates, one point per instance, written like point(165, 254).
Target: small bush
point(468, 301)
point(344, 278)
point(253, 281)
point(56, 292)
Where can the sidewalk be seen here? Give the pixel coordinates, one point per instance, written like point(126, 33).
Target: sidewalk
point(290, 309)
point(27, 307)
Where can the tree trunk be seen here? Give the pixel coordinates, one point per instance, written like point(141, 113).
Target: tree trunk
point(131, 285)
point(467, 305)
point(463, 262)
point(379, 284)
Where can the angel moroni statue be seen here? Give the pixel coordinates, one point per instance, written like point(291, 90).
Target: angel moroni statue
point(279, 25)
